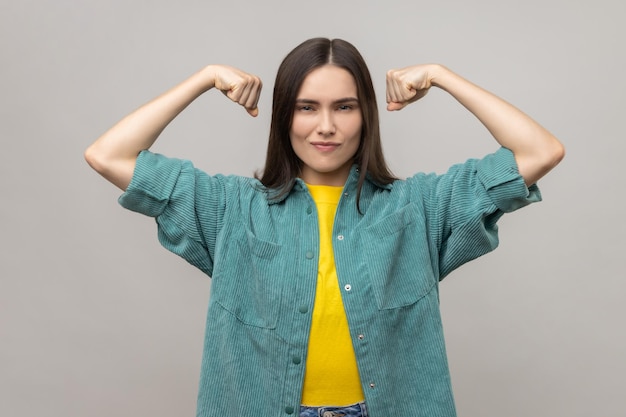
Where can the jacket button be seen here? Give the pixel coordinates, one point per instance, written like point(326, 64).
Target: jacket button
point(296, 360)
point(309, 210)
point(303, 309)
point(340, 237)
point(348, 287)
point(309, 255)
point(289, 410)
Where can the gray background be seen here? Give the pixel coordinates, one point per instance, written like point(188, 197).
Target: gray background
point(96, 319)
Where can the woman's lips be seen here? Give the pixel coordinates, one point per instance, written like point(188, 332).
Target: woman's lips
point(325, 146)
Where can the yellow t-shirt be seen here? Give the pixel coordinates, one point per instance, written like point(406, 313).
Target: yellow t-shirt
point(331, 376)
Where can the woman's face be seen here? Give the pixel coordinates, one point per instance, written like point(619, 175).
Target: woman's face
point(326, 128)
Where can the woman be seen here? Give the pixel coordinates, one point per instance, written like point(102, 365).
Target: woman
point(325, 270)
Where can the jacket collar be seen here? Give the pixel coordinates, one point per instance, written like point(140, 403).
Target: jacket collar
point(299, 185)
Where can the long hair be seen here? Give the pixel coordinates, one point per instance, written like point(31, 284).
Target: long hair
point(282, 165)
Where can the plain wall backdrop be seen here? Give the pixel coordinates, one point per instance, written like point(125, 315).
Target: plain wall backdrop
point(96, 319)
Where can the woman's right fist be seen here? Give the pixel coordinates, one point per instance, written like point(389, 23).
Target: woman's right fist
point(239, 86)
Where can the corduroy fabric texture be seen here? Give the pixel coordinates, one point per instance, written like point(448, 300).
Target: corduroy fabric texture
point(263, 257)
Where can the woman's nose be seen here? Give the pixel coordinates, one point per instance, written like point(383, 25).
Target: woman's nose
point(326, 125)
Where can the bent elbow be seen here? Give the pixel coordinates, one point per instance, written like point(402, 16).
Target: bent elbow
point(540, 161)
point(547, 156)
point(555, 155)
point(118, 171)
point(93, 158)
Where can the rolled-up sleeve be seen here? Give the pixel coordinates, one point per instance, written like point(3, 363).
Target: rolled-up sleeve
point(466, 203)
point(152, 184)
point(505, 186)
point(174, 192)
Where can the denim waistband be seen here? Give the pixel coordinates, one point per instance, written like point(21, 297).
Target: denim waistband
point(354, 410)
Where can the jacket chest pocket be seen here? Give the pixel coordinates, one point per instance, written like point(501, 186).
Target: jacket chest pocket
point(248, 284)
point(398, 258)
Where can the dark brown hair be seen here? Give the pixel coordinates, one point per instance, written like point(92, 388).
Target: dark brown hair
point(282, 166)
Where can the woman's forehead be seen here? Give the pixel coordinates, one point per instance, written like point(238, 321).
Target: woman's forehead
point(328, 82)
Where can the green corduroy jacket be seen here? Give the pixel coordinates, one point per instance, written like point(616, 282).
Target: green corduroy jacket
point(262, 255)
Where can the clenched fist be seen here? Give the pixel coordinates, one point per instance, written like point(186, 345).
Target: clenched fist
point(239, 86)
point(407, 85)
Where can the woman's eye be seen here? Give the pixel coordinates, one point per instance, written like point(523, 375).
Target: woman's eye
point(306, 108)
point(345, 107)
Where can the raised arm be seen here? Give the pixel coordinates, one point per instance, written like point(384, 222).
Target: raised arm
point(113, 154)
point(536, 150)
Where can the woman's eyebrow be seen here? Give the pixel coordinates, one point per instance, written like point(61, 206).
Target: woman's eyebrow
point(338, 101)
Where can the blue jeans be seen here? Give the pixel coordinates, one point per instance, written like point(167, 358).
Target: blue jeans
point(355, 410)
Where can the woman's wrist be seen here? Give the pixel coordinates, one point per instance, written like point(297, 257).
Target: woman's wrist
point(206, 77)
point(439, 74)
